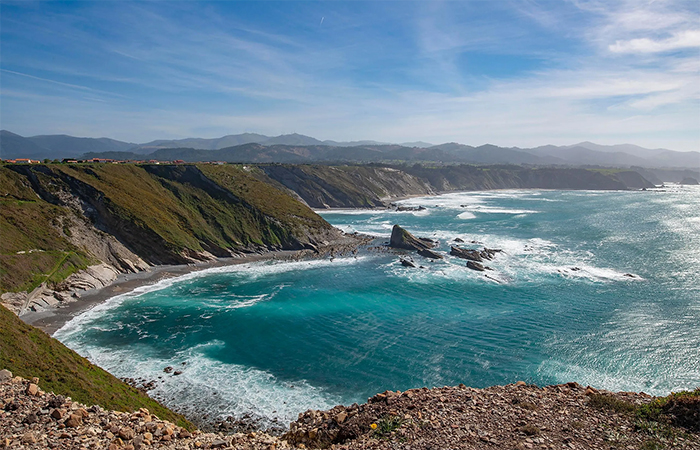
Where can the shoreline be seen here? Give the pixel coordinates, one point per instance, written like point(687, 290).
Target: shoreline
point(51, 320)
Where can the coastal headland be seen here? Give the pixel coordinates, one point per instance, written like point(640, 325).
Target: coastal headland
point(80, 234)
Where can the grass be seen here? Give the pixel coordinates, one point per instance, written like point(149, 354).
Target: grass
point(663, 419)
point(32, 249)
point(386, 425)
point(161, 212)
point(29, 352)
point(602, 401)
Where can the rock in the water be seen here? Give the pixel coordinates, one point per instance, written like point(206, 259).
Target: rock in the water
point(410, 208)
point(475, 266)
point(689, 181)
point(401, 238)
point(407, 263)
point(474, 255)
point(489, 253)
point(464, 253)
point(459, 240)
point(429, 254)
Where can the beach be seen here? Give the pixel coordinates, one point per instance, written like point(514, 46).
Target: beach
point(51, 320)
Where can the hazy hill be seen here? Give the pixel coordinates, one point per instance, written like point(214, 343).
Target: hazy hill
point(204, 144)
point(55, 146)
point(288, 148)
point(15, 146)
point(67, 146)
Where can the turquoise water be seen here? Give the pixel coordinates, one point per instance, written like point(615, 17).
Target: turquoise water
point(269, 340)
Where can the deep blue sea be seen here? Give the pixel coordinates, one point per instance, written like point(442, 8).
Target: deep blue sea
point(272, 339)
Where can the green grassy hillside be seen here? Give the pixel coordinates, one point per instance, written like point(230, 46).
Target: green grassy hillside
point(29, 352)
point(167, 214)
point(33, 248)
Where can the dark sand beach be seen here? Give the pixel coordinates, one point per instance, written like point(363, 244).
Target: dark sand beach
point(53, 319)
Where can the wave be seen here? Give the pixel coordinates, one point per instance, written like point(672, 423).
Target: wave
point(207, 388)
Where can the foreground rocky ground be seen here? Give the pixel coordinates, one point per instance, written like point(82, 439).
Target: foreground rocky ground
point(32, 419)
point(516, 416)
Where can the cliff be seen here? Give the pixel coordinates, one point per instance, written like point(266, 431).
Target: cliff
point(376, 185)
point(58, 220)
point(364, 186)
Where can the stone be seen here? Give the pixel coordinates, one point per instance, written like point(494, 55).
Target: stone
point(126, 433)
point(32, 389)
point(407, 263)
point(475, 266)
point(58, 413)
point(521, 383)
point(74, 420)
point(29, 438)
point(401, 238)
point(168, 369)
point(340, 417)
point(464, 253)
point(429, 254)
point(5, 375)
point(57, 401)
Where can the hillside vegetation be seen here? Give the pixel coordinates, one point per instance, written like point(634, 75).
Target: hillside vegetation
point(164, 214)
point(29, 352)
point(33, 248)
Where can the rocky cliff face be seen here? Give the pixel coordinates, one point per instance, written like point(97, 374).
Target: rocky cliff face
point(58, 220)
point(376, 186)
point(346, 186)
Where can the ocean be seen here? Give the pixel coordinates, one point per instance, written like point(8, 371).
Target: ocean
point(601, 288)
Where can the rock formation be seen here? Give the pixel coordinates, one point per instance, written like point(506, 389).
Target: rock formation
point(474, 255)
point(401, 238)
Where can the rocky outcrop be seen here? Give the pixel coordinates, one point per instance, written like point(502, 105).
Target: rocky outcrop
point(689, 181)
point(132, 216)
point(33, 420)
point(474, 255)
point(633, 180)
point(400, 238)
point(516, 416)
point(354, 186)
point(372, 186)
point(477, 266)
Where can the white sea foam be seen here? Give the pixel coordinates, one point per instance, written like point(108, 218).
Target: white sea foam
point(229, 389)
point(466, 215)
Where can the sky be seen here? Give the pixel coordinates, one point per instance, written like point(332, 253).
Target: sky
point(512, 73)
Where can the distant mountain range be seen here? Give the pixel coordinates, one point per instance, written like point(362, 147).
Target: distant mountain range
point(297, 148)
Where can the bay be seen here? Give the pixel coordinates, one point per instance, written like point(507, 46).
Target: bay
point(601, 288)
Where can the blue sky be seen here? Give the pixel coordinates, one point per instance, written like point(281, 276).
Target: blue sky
point(510, 73)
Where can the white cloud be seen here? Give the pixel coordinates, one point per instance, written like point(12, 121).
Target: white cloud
point(680, 40)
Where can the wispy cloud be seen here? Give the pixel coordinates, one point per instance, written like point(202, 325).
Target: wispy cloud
point(516, 72)
point(680, 40)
